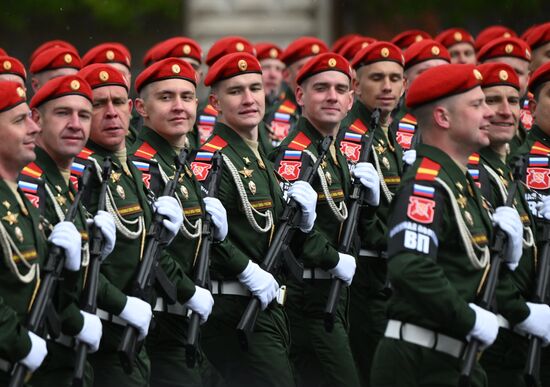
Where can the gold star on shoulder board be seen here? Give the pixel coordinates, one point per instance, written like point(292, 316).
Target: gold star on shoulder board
point(246, 172)
point(11, 218)
point(115, 176)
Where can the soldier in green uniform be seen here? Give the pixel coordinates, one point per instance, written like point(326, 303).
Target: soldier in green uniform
point(438, 239)
point(22, 238)
point(63, 110)
point(168, 105)
point(272, 72)
point(128, 203)
point(250, 192)
point(379, 84)
point(325, 96)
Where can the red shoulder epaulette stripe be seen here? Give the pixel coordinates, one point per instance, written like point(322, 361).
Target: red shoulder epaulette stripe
point(287, 107)
point(409, 119)
point(539, 149)
point(145, 151)
point(473, 159)
point(209, 109)
point(85, 153)
point(300, 142)
point(217, 143)
point(428, 170)
point(359, 127)
point(32, 170)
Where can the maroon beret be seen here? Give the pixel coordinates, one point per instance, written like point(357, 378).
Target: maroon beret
point(11, 95)
point(10, 65)
point(176, 47)
point(540, 76)
point(102, 74)
point(342, 41)
point(61, 87)
point(111, 52)
point(267, 50)
point(538, 36)
point(510, 47)
point(406, 38)
point(491, 33)
point(301, 48)
point(50, 44)
point(378, 52)
point(424, 50)
point(353, 46)
point(55, 58)
point(453, 36)
point(231, 65)
point(169, 68)
point(328, 61)
point(228, 45)
point(498, 74)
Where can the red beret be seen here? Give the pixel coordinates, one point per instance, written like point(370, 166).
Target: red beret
point(232, 65)
point(538, 36)
point(176, 47)
point(342, 41)
point(169, 68)
point(406, 38)
point(498, 74)
point(378, 52)
point(540, 76)
point(228, 45)
point(101, 74)
point(11, 95)
point(491, 33)
point(328, 61)
point(424, 50)
point(10, 65)
point(510, 47)
point(454, 36)
point(303, 47)
point(108, 53)
point(354, 45)
point(441, 82)
point(266, 50)
point(3, 52)
point(56, 58)
point(51, 44)
point(61, 87)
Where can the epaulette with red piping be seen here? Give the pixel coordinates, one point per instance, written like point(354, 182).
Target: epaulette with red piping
point(525, 115)
point(281, 123)
point(202, 163)
point(350, 145)
point(289, 163)
point(30, 182)
point(206, 122)
point(80, 162)
point(150, 172)
point(538, 167)
point(405, 131)
point(421, 204)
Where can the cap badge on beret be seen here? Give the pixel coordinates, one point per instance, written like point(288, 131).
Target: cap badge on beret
point(68, 58)
point(103, 76)
point(364, 44)
point(385, 52)
point(458, 36)
point(176, 69)
point(273, 53)
point(239, 46)
point(503, 75)
point(75, 85)
point(509, 48)
point(21, 92)
point(110, 55)
point(506, 35)
point(418, 38)
point(315, 48)
point(478, 75)
point(186, 49)
point(435, 50)
point(7, 65)
point(242, 65)
point(332, 62)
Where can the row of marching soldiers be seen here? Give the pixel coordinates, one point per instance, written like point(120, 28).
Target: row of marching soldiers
point(435, 262)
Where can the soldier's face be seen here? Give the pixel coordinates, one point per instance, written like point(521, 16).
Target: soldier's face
point(110, 117)
point(540, 56)
point(65, 124)
point(325, 98)
point(462, 53)
point(380, 85)
point(240, 101)
point(541, 111)
point(504, 102)
point(19, 133)
point(169, 107)
point(272, 75)
point(520, 66)
point(414, 71)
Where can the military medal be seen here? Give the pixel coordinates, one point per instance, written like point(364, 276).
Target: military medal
point(58, 188)
point(115, 177)
point(6, 204)
point(324, 163)
point(469, 218)
point(461, 200)
point(379, 148)
point(252, 187)
point(184, 192)
point(120, 191)
point(261, 164)
point(459, 186)
point(246, 172)
point(328, 177)
point(19, 234)
point(61, 200)
point(386, 162)
point(11, 218)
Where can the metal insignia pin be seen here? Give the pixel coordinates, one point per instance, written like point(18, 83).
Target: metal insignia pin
point(328, 176)
point(6, 204)
point(11, 218)
point(386, 162)
point(61, 200)
point(19, 235)
point(246, 160)
point(120, 191)
point(184, 192)
point(252, 187)
point(469, 218)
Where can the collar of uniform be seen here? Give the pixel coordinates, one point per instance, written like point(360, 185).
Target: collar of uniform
point(234, 140)
point(51, 171)
point(538, 133)
point(493, 159)
point(163, 148)
point(309, 130)
point(448, 164)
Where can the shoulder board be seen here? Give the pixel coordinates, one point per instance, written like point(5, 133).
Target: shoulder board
point(473, 159)
point(216, 143)
point(145, 151)
point(359, 127)
point(85, 154)
point(300, 142)
point(408, 119)
point(287, 107)
point(209, 109)
point(539, 149)
point(428, 170)
point(32, 170)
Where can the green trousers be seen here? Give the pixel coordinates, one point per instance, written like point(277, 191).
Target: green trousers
point(266, 362)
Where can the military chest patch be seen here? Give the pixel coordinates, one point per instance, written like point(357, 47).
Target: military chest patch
point(290, 166)
point(31, 192)
point(144, 169)
point(350, 146)
point(421, 209)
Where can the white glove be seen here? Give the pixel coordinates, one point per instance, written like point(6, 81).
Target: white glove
point(345, 268)
point(537, 323)
point(66, 236)
point(507, 218)
point(219, 217)
point(138, 314)
point(169, 207)
point(485, 328)
point(261, 283)
point(201, 303)
point(409, 157)
point(91, 331)
point(306, 197)
point(368, 176)
point(544, 207)
point(106, 223)
point(36, 355)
